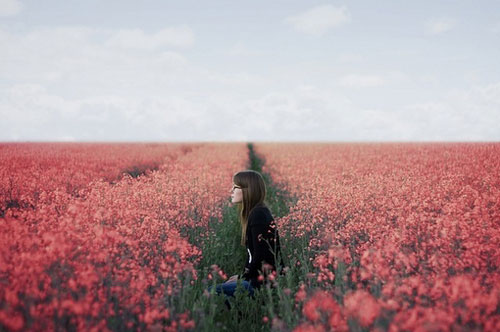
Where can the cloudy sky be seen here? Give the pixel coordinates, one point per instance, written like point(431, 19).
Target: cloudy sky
point(157, 70)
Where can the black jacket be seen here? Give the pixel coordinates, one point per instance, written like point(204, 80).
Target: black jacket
point(261, 228)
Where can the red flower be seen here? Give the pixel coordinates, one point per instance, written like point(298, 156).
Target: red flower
point(306, 327)
point(362, 306)
point(320, 302)
point(301, 293)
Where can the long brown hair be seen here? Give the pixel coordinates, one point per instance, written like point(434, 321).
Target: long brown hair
point(254, 193)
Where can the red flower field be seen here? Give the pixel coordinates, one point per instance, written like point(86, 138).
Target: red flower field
point(108, 258)
point(27, 169)
point(379, 237)
point(405, 236)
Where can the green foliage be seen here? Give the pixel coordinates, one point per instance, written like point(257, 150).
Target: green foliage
point(220, 245)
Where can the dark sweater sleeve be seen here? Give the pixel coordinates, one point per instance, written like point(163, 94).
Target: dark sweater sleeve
point(260, 246)
point(258, 228)
point(246, 270)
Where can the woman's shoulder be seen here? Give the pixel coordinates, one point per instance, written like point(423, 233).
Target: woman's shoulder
point(260, 208)
point(260, 215)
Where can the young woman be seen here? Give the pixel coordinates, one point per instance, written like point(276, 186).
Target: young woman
point(259, 234)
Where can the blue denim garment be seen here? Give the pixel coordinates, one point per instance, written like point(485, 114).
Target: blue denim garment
point(229, 288)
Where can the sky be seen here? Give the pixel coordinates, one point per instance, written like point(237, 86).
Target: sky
point(308, 71)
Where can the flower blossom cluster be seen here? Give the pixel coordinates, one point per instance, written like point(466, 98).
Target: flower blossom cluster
point(111, 259)
point(32, 173)
point(404, 235)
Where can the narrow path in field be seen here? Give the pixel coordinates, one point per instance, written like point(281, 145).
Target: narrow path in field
point(143, 169)
point(278, 199)
point(222, 247)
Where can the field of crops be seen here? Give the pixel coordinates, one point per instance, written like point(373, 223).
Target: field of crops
point(388, 237)
point(110, 256)
point(404, 236)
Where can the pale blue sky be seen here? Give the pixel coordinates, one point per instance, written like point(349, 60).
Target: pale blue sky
point(253, 71)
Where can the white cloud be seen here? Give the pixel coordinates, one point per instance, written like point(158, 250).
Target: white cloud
point(240, 49)
point(495, 27)
point(181, 36)
point(351, 57)
point(65, 138)
point(318, 20)
point(79, 61)
point(428, 79)
point(439, 25)
point(30, 112)
point(71, 81)
point(307, 113)
point(30, 103)
point(361, 81)
point(10, 7)
point(79, 83)
point(461, 115)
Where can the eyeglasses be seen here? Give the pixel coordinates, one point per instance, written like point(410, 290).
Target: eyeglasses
point(235, 186)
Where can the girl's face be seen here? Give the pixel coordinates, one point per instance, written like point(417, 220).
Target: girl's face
point(236, 194)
